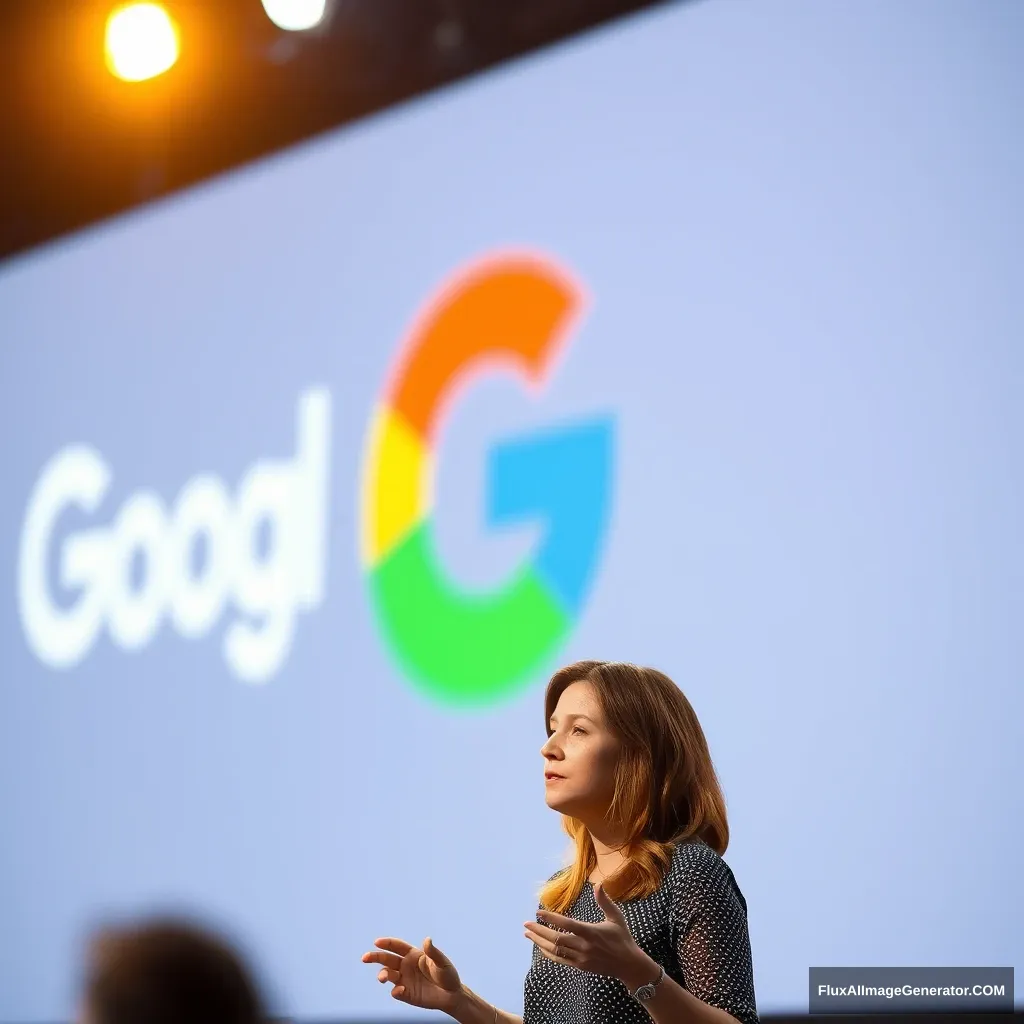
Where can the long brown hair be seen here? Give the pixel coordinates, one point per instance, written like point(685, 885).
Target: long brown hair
point(666, 789)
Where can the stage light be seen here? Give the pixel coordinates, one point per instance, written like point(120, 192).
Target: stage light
point(142, 41)
point(295, 15)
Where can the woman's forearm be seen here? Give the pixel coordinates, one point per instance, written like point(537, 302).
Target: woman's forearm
point(474, 1009)
point(671, 1003)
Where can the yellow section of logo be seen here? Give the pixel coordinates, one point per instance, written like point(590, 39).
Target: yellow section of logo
point(396, 494)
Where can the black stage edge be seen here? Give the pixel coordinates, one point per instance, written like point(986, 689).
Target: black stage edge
point(877, 1018)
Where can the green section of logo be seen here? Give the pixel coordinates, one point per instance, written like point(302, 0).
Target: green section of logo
point(463, 649)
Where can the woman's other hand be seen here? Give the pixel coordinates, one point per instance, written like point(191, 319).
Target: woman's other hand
point(605, 947)
point(421, 977)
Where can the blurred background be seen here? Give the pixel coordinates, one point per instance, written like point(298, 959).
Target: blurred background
point(278, 600)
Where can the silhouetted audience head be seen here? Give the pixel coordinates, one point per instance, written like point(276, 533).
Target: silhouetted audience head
point(165, 971)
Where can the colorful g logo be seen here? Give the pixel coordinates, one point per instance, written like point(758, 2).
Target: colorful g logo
point(468, 648)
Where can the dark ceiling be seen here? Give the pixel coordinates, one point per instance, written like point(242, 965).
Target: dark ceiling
point(78, 145)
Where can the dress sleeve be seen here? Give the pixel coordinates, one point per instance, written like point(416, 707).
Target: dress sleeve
point(712, 941)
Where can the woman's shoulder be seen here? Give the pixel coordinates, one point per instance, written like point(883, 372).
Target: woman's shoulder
point(696, 869)
point(561, 871)
point(690, 855)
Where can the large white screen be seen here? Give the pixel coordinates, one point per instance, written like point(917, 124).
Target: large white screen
point(798, 228)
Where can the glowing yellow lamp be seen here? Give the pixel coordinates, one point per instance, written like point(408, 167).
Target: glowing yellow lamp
point(142, 41)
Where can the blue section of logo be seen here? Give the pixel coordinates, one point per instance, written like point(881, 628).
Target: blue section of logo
point(562, 476)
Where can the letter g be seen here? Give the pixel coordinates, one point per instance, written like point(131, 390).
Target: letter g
point(76, 475)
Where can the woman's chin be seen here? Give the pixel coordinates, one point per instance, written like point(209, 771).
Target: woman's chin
point(556, 803)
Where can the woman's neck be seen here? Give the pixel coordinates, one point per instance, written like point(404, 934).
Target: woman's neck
point(610, 853)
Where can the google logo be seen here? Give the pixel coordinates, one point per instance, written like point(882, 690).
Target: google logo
point(465, 648)
point(97, 560)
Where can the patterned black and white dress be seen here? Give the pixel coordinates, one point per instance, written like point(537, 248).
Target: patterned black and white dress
point(694, 925)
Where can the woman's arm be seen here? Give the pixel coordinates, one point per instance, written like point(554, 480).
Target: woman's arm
point(474, 1009)
point(713, 948)
point(671, 1003)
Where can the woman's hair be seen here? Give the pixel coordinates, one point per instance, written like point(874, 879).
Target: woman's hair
point(665, 792)
point(166, 971)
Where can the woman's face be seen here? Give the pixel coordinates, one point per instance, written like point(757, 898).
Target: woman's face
point(582, 753)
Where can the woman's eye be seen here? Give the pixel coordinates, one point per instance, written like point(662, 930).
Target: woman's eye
point(576, 728)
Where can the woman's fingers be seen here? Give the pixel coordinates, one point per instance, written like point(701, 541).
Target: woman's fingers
point(392, 975)
point(399, 946)
point(548, 940)
point(392, 960)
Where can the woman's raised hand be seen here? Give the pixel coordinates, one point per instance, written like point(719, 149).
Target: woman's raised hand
point(421, 977)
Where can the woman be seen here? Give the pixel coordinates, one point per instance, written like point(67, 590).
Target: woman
point(648, 921)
